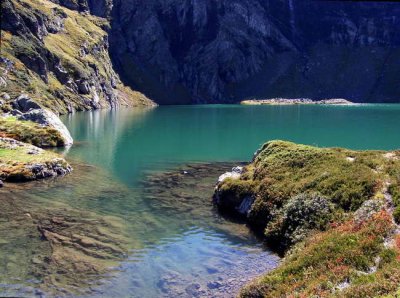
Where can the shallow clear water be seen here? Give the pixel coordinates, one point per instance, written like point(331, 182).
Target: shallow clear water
point(179, 246)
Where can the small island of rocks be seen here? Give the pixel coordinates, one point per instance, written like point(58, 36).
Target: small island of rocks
point(296, 101)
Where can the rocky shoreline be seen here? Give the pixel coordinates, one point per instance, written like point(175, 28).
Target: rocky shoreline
point(20, 162)
point(26, 128)
point(324, 207)
point(297, 101)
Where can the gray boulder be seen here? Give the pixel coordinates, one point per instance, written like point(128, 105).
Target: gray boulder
point(24, 103)
point(48, 118)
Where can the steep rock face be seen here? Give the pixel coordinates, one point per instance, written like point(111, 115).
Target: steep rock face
point(60, 57)
point(100, 8)
point(222, 51)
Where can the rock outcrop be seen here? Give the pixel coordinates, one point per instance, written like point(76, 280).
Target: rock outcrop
point(289, 189)
point(334, 208)
point(31, 111)
point(48, 119)
point(23, 162)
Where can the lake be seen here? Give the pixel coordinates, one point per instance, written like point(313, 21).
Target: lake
point(153, 171)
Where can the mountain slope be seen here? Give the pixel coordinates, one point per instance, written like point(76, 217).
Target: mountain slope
point(190, 51)
point(223, 51)
point(59, 57)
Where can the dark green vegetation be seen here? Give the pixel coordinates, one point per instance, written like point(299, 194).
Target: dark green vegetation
point(343, 198)
point(30, 132)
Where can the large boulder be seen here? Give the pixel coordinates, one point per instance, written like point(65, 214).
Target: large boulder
point(48, 118)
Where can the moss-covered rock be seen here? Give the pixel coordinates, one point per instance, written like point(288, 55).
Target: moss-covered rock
point(281, 171)
point(22, 162)
point(30, 132)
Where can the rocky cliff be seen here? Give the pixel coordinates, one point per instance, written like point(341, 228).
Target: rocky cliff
point(59, 57)
point(223, 51)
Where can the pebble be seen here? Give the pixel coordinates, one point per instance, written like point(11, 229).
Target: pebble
point(214, 285)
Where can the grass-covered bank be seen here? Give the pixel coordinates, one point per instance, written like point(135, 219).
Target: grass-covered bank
point(332, 207)
point(30, 132)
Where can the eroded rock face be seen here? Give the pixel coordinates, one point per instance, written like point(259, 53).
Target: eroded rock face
point(221, 51)
point(101, 8)
point(213, 51)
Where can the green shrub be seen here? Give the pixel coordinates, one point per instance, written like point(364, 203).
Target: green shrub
point(302, 213)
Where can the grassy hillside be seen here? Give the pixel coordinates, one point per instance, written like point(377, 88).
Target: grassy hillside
point(350, 260)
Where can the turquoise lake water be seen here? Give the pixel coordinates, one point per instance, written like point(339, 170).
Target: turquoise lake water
point(128, 142)
point(156, 168)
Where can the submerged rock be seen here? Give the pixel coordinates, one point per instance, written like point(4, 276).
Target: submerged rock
point(56, 249)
